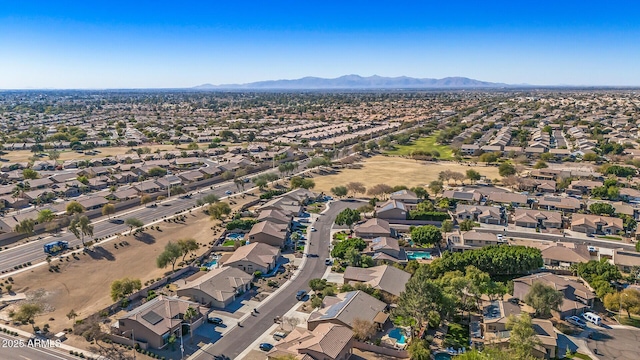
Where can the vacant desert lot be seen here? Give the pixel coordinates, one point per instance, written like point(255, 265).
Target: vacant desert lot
point(24, 155)
point(396, 171)
point(83, 285)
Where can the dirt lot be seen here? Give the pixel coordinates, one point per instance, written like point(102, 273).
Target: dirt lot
point(397, 171)
point(24, 155)
point(73, 288)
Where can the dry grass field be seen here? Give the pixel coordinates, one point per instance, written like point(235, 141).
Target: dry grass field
point(84, 285)
point(24, 155)
point(396, 171)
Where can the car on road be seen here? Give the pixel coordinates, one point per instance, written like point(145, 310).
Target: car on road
point(266, 347)
point(116, 221)
point(301, 294)
point(228, 192)
point(500, 237)
point(313, 229)
point(215, 320)
point(576, 321)
point(328, 261)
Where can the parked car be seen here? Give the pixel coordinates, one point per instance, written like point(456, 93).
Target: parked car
point(228, 192)
point(301, 294)
point(214, 320)
point(592, 318)
point(576, 321)
point(328, 261)
point(313, 229)
point(266, 347)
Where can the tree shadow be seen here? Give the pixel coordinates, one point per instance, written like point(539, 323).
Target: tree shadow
point(146, 238)
point(99, 253)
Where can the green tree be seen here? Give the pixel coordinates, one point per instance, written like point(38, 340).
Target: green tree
point(540, 164)
point(602, 209)
point(353, 257)
point(300, 182)
point(340, 249)
point(339, 191)
point(347, 217)
point(54, 155)
point(133, 223)
point(156, 172)
point(170, 255)
point(473, 175)
point(80, 226)
point(467, 225)
point(523, 337)
point(219, 210)
point(208, 199)
point(426, 235)
point(108, 210)
point(419, 350)
point(145, 199)
point(74, 207)
point(187, 246)
point(190, 314)
point(122, 288)
point(447, 226)
point(435, 187)
point(25, 227)
point(590, 157)
point(29, 174)
point(45, 216)
point(420, 192)
point(543, 298)
point(506, 169)
point(27, 313)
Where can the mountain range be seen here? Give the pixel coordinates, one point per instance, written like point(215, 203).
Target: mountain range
point(358, 82)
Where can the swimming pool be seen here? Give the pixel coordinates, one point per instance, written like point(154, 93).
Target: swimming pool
point(398, 334)
point(211, 264)
point(235, 236)
point(441, 356)
point(418, 255)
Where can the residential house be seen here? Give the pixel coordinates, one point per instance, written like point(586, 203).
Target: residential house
point(287, 205)
point(565, 204)
point(156, 320)
point(508, 198)
point(92, 202)
point(215, 288)
point(392, 210)
point(577, 297)
point(302, 196)
point(530, 218)
point(386, 249)
point(407, 197)
point(469, 149)
point(326, 342)
point(629, 194)
point(148, 186)
point(373, 228)
point(470, 197)
point(254, 257)
point(344, 308)
point(269, 233)
point(596, 224)
point(472, 240)
point(384, 278)
point(563, 255)
point(582, 186)
point(191, 176)
point(483, 214)
point(275, 216)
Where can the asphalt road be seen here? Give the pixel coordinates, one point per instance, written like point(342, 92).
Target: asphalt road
point(33, 251)
point(237, 340)
point(12, 348)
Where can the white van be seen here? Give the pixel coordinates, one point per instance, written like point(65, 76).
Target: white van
point(592, 318)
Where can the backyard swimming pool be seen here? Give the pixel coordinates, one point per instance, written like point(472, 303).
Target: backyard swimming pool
point(418, 255)
point(235, 236)
point(211, 264)
point(398, 334)
point(441, 356)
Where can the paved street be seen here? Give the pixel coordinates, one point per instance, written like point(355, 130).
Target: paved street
point(33, 251)
point(238, 339)
point(12, 348)
point(615, 343)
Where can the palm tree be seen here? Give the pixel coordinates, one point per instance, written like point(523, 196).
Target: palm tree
point(189, 315)
point(81, 226)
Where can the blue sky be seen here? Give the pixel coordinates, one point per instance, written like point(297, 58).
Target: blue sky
point(138, 44)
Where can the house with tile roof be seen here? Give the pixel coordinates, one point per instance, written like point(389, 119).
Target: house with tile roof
point(215, 288)
point(325, 342)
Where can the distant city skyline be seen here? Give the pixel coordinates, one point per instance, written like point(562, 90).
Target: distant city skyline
point(161, 44)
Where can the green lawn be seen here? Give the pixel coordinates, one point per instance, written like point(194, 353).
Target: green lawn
point(579, 356)
point(340, 236)
point(625, 320)
point(228, 243)
point(426, 144)
point(610, 237)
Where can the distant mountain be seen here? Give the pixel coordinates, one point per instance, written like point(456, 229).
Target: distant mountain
point(358, 82)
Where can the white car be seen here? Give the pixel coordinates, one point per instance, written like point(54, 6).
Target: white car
point(500, 237)
point(313, 229)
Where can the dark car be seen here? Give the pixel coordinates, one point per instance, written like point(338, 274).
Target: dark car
point(214, 320)
point(301, 294)
point(266, 347)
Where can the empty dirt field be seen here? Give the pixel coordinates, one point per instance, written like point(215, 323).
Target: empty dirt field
point(393, 171)
point(84, 285)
